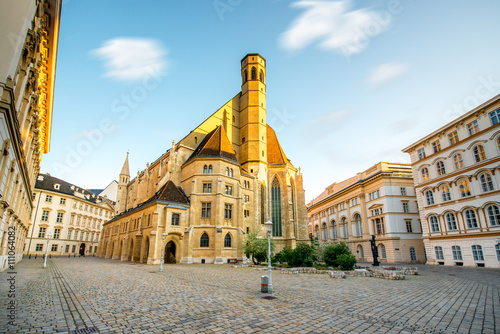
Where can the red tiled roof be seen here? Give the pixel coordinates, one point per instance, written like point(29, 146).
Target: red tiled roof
point(275, 154)
point(215, 144)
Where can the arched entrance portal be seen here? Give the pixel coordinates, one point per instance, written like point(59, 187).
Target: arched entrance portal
point(82, 249)
point(170, 252)
point(145, 253)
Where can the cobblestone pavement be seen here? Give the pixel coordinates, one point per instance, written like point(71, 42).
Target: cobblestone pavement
point(90, 295)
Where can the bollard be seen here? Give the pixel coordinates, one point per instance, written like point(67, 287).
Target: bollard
point(69, 255)
point(264, 281)
point(30, 256)
point(35, 256)
point(50, 256)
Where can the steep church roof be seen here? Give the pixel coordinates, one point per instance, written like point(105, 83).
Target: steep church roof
point(125, 169)
point(215, 144)
point(171, 193)
point(275, 154)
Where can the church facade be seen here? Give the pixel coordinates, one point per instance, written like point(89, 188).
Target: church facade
point(197, 202)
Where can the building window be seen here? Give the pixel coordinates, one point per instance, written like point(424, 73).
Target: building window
point(429, 196)
point(39, 247)
point(470, 219)
point(464, 188)
point(413, 254)
point(229, 190)
point(324, 232)
point(231, 172)
point(228, 211)
point(440, 168)
point(458, 161)
point(57, 233)
point(453, 137)
point(210, 169)
point(48, 198)
point(472, 128)
point(451, 220)
point(175, 219)
point(243, 140)
point(434, 223)
point(227, 171)
point(253, 74)
point(477, 253)
point(445, 193)
point(333, 230)
point(479, 154)
point(45, 216)
point(204, 240)
point(361, 252)
point(406, 207)
point(409, 228)
point(205, 169)
point(498, 143)
point(227, 240)
point(457, 253)
point(379, 226)
point(62, 201)
point(59, 218)
point(207, 187)
point(493, 215)
point(403, 191)
point(421, 154)
point(206, 210)
point(439, 253)
point(69, 234)
point(486, 182)
point(383, 254)
point(67, 249)
point(495, 117)
point(41, 232)
point(76, 235)
point(436, 146)
point(425, 174)
point(358, 225)
point(54, 248)
point(344, 228)
point(276, 207)
point(72, 220)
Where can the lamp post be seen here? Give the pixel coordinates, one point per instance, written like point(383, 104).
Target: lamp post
point(162, 251)
point(47, 250)
point(269, 267)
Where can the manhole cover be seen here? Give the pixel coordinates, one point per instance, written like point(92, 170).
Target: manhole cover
point(269, 297)
point(87, 330)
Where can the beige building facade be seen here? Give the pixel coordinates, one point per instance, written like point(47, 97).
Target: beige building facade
point(211, 188)
point(71, 216)
point(379, 201)
point(456, 170)
point(29, 33)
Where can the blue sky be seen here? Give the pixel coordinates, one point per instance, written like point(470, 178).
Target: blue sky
point(349, 83)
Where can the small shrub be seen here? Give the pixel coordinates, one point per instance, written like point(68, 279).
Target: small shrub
point(346, 261)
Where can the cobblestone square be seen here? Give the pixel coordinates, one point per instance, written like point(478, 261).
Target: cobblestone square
point(108, 296)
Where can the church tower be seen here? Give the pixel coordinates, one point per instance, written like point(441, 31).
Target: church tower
point(121, 197)
point(253, 149)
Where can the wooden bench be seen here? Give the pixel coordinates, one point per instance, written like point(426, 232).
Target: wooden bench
point(233, 260)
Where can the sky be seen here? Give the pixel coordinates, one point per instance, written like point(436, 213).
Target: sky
point(349, 83)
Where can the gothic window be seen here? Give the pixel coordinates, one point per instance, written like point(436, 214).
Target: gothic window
point(470, 219)
point(261, 76)
point(210, 169)
point(434, 223)
point(227, 240)
point(276, 207)
point(253, 74)
point(205, 169)
point(227, 171)
point(204, 240)
point(440, 168)
point(458, 161)
point(231, 172)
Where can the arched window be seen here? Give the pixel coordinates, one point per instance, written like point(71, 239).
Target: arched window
point(253, 75)
point(175, 219)
point(333, 230)
point(227, 240)
point(479, 154)
point(383, 254)
point(493, 215)
point(231, 172)
point(205, 169)
point(227, 171)
point(316, 232)
point(344, 228)
point(358, 225)
point(413, 254)
point(445, 192)
point(458, 161)
point(439, 253)
point(498, 143)
point(434, 223)
point(486, 182)
point(210, 169)
point(361, 252)
point(324, 232)
point(470, 219)
point(429, 196)
point(276, 207)
point(477, 252)
point(425, 174)
point(451, 221)
point(234, 119)
point(204, 240)
point(261, 76)
point(497, 249)
point(440, 168)
point(464, 188)
point(457, 253)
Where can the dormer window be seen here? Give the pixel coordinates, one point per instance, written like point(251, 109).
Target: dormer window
point(57, 186)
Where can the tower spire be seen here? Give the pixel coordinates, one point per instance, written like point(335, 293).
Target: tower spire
point(125, 168)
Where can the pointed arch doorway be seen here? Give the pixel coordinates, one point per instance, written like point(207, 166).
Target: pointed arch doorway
point(170, 251)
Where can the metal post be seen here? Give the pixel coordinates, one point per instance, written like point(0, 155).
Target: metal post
point(162, 246)
point(47, 250)
point(269, 267)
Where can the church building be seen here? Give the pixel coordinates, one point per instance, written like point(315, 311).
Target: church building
point(197, 202)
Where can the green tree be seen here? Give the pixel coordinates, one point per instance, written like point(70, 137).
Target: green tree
point(332, 255)
point(255, 248)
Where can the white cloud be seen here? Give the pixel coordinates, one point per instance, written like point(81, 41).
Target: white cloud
point(386, 72)
point(132, 58)
point(334, 26)
point(331, 118)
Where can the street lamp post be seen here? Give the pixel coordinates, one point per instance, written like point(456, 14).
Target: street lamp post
point(162, 251)
point(47, 250)
point(269, 267)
